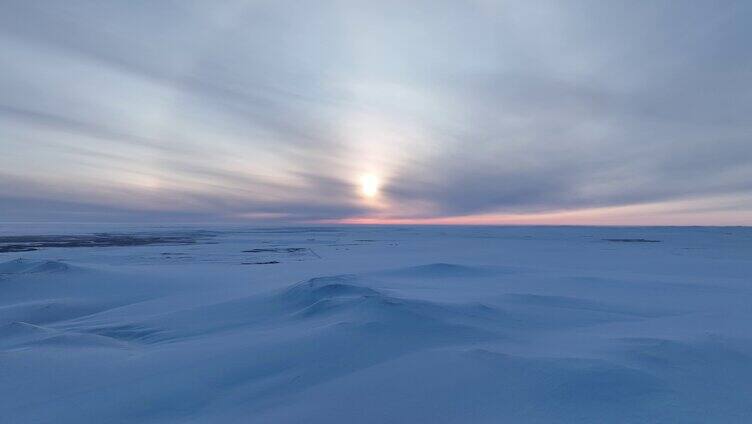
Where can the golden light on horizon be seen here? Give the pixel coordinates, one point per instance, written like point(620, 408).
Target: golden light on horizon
point(369, 186)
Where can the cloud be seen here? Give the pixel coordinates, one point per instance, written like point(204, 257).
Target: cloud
point(274, 110)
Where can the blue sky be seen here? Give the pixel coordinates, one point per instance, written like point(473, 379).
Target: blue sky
point(585, 112)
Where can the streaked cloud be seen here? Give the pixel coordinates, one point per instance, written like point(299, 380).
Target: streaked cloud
point(478, 111)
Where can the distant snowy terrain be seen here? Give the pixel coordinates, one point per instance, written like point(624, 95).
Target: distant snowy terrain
point(375, 325)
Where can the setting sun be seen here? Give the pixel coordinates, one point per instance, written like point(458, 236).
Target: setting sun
point(369, 186)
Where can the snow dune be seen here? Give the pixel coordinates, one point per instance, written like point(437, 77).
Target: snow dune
point(22, 266)
point(522, 325)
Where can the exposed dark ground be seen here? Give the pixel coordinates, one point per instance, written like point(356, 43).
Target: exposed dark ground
point(36, 242)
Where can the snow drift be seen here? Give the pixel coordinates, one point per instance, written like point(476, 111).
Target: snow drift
point(550, 327)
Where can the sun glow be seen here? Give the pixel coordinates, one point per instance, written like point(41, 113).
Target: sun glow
point(369, 186)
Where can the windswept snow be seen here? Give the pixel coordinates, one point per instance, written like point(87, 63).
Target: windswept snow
point(23, 266)
point(388, 324)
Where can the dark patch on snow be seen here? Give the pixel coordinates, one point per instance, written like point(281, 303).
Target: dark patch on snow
point(16, 248)
point(273, 255)
point(31, 243)
point(277, 250)
point(632, 240)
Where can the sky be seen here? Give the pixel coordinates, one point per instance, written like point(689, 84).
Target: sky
point(405, 112)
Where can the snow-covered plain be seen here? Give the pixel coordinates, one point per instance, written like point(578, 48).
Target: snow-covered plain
point(381, 325)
